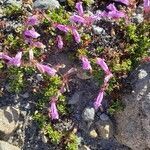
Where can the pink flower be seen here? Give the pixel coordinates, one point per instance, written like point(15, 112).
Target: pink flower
point(31, 56)
point(32, 20)
point(16, 61)
point(62, 28)
point(46, 69)
point(147, 6)
point(79, 8)
point(99, 99)
point(77, 19)
point(126, 2)
point(76, 35)
point(111, 7)
point(114, 13)
point(31, 33)
point(85, 63)
point(50, 71)
point(40, 67)
point(4, 56)
point(38, 45)
point(59, 42)
point(53, 113)
point(103, 65)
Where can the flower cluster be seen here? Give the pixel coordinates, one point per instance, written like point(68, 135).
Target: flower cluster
point(14, 61)
point(66, 29)
point(82, 18)
point(108, 76)
point(30, 34)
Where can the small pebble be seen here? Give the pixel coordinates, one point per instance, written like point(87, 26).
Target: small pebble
point(44, 139)
point(104, 117)
point(93, 134)
point(88, 114)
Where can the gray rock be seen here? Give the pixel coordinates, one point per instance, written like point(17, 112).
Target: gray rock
point(44, 139)
point(39, 77)
point(46, 4)
point(138, 18)
point(132, 124)
point(9, 117)
point(98, 30)
point(14, 2)
point(25, 95)
point(104, 129)
point(88, 114)
point(6, 146)
point(75, 98)
point(104, 117)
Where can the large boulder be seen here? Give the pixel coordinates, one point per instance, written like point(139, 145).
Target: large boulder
point(133, 123)
point(6, 146)
point(46, 4)
point(9, 119)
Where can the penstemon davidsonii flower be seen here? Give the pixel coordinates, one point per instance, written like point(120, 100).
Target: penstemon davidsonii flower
point(46, 69)
point(99, 99)
point(59, 42)
point(53, 112)
point(86, 63)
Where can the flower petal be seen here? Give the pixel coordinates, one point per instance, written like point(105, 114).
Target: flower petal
point(99, 99)
point(62, 28)
point(103, 65)
point(59, 42)
point(85, 63)
point(79, 8)
point(31, 33)
point(76, 35)
point(53, 111)
point(77, 19)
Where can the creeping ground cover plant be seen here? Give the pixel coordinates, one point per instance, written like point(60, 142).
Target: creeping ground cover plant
point(105, 55)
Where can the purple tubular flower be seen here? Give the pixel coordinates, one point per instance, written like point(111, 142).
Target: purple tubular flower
point(85, 63)
point(59, 42)
point(31, 33)
point(77, 19)
point(79, 8)
point(126, 2)
point(4, 56)
point(50, 71)
point(76, 35)
point(38, 45)
point(147, 6)
point(111, 7)
point(40, 67)
point(53, 111)
point(32, 20)
point(103, 65)
point(62, 28)
point(46, 69)
point(114, 13)
point(16, 61)
point(99, 99)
